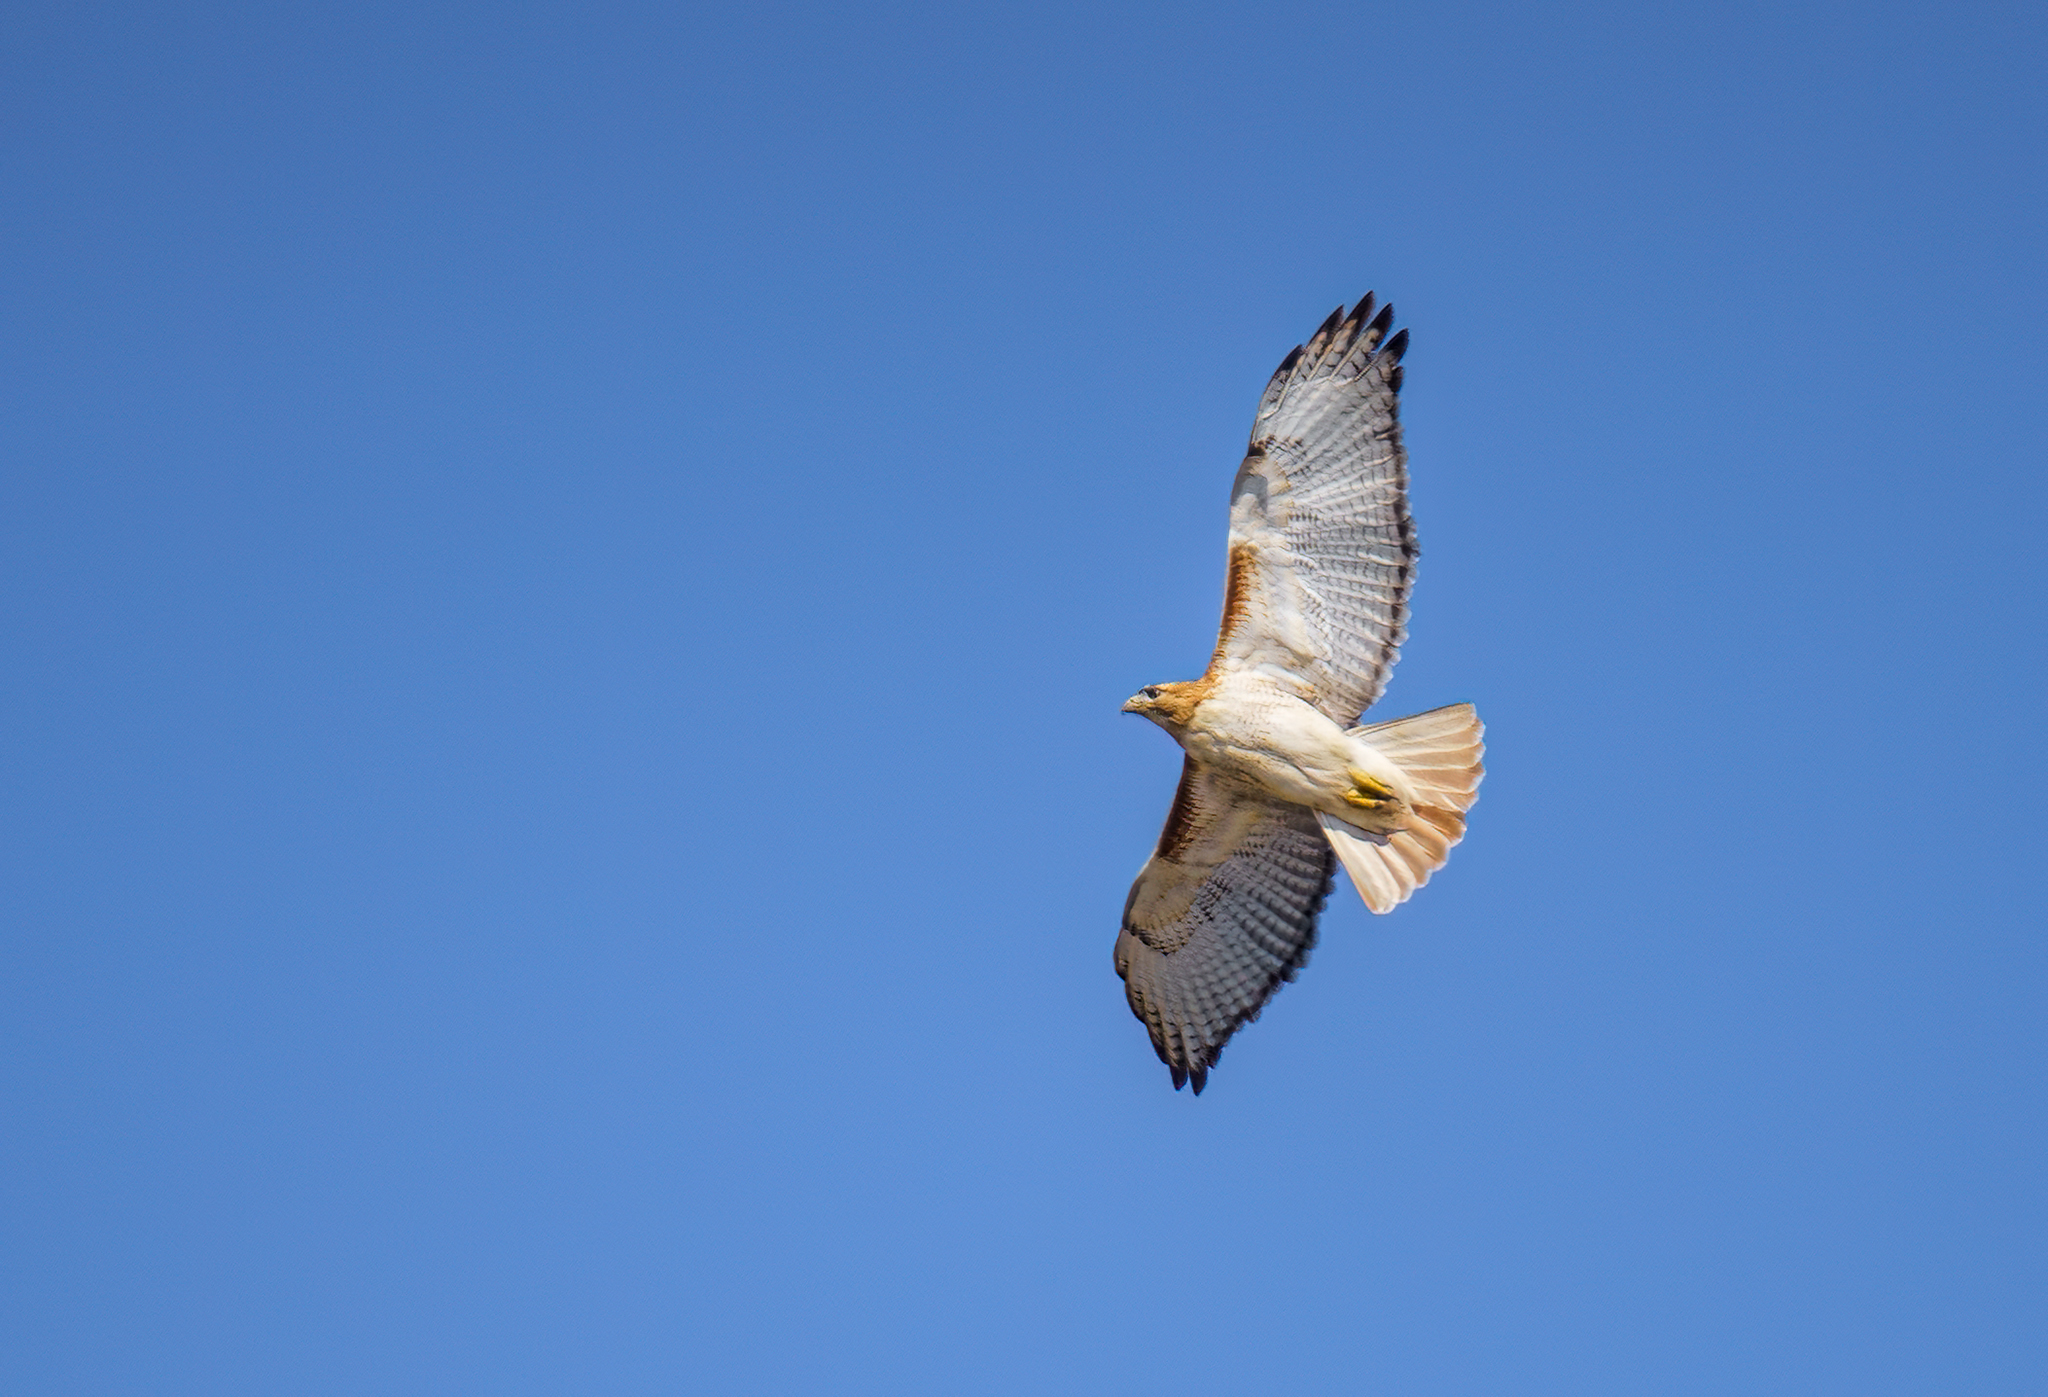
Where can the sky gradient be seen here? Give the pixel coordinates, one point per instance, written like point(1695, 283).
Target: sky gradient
point(567, 578)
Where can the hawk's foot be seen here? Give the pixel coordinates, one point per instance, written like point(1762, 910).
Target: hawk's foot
point(1368, 792)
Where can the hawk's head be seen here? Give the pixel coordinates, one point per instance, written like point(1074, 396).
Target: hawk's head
point(1171, 706)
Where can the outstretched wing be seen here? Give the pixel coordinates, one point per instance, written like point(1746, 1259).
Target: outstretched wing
point(1322, 551)
point(1222, 914)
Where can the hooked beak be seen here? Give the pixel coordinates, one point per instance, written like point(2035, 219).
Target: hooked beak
point(1131, 704)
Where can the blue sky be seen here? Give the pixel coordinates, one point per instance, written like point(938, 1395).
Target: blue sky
point(568, 573)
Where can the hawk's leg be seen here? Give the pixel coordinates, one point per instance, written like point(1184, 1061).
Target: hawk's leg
point(1368, 792)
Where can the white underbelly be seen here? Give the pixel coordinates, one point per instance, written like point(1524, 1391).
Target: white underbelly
point(1274, 743)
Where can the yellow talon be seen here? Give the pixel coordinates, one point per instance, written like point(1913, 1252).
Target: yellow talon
point(1368, 785)
point(1369, 792)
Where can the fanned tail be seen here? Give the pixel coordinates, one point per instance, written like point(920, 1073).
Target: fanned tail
point(1439, 753)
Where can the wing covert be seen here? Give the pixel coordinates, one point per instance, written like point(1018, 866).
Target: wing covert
point(1322, 549)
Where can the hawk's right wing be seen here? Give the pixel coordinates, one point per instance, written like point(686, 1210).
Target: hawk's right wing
point(1222, 914)
point(1322, 551)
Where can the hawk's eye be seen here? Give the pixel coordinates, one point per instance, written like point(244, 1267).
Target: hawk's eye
point(1151, 691)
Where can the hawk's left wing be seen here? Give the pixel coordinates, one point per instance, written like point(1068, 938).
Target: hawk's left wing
point(1222, 914)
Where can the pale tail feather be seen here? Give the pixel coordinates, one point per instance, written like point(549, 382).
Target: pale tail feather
point(1439, 753)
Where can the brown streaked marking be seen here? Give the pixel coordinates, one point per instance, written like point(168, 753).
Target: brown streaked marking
point(1183, 819)
point(1264, 446)
point(1237, 597)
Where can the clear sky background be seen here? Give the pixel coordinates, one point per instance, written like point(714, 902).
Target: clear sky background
point(567, 575)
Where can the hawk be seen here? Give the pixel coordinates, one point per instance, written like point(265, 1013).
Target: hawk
point(1279, 783)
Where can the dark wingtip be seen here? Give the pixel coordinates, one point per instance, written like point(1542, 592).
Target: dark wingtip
point(1381, 323)
point(1200, 1078)
point(1293, 358)
point(1354, 323)
point(1180, 1076)
point(1397, 346)
point(1329, 325)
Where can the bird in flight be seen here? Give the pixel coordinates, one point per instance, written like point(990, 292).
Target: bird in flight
point(1279, 783)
